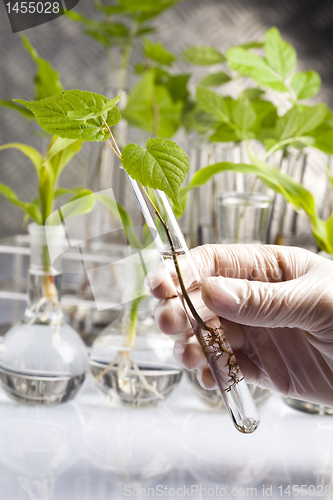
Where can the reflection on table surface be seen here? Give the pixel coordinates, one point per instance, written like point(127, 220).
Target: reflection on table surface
point(90, 450)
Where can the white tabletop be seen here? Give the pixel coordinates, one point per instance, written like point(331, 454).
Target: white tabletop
point(91, 450)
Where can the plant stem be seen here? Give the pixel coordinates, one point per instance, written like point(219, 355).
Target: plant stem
point(187, 299)
point(279, 144)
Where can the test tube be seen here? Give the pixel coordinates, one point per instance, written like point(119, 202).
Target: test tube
point(220, 358)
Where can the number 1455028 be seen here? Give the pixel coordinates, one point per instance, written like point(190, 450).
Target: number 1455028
point(33, 7)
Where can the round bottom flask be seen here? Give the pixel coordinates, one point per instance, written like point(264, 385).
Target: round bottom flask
point(42, 359)
point(132, 362)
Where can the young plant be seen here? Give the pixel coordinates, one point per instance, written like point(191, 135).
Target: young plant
point(155, 104)
point(48, 166)
point(253, 118)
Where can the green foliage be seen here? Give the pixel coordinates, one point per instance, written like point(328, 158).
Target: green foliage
point(249, 64)
point(203, 55)
point(158, 53)
point(47, 79)
point(48, 170)
point(162, 165)
point(305, 84)
point(53, 114)
point(158, 108)
point(251, 116)
point(215, 79)
point(280, 55)
point(151, 107)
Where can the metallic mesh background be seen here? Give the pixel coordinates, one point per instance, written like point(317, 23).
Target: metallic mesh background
point(82, 63)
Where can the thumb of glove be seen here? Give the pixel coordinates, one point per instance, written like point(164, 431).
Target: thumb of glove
point(255, 303)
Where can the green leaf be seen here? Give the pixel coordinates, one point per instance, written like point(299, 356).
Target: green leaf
point(177, 87)
point(203, 55)
point(51, 115)
point(311, 117)
point(19, 109)
point(159, 7)
point(224, 133)
point(305, 84)
point(169, 113)
point(244, 115)
point(81, 203)
point(59, 160)
point(271, 176)
point(251, 45)
point(198, 120)
point(34, 156)
point(124, 216)
point(253, 94)
point(58, 144)
point(150, 107)
point(324, 142)
point(215, 79)
point(158, 53)
point(47, 79)
point(163, 165)
point(288, 124)
point(29, 208)
point(212, 103)
point(252, 65)
point(139, 110)
point(109, 10)
point(280, 55)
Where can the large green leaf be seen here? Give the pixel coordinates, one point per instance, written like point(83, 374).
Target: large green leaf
point(311, 117)
point(162, 165)
point(169, 113)
point(212, 103)
point(255, 66)
point(52, 115)
point(224, 133)
point(305, 84)
point(281, 183)
point(139, 110)
point(203, 55)
point(34, 156)
point(47, 79)
point(177, 87)
point(151, 108)
point(215, 79)
point(288, 124)
point(244, 115)
point(158, 53)
point(280, 55)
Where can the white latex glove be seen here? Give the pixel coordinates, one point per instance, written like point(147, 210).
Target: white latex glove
point(276, 308)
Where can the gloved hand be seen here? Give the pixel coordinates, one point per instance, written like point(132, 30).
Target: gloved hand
point(276, 308)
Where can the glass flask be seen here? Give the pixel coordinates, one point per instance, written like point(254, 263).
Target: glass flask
point(243, 217)
point(42, 359)
point(132, 361)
